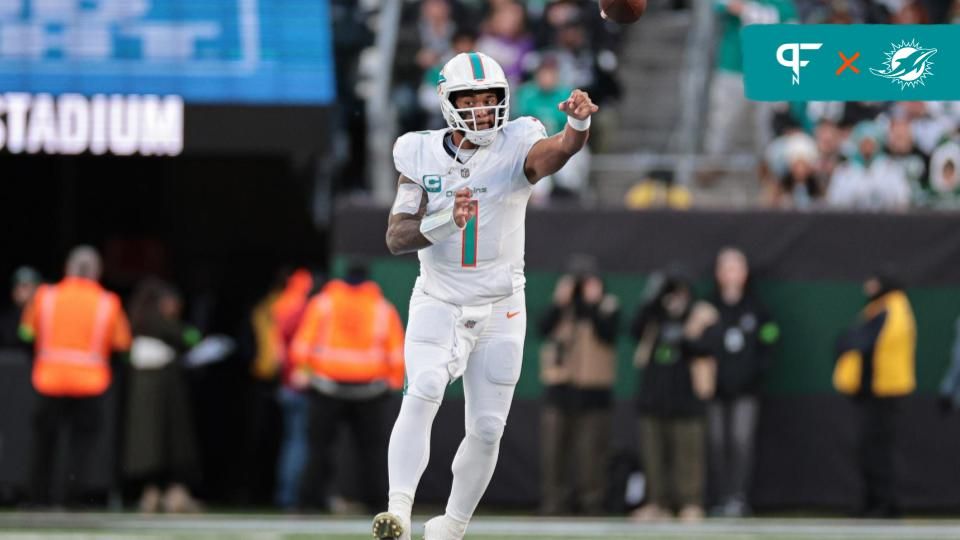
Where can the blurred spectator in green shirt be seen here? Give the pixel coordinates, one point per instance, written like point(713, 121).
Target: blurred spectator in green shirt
point(463, 41)
point(539, 97)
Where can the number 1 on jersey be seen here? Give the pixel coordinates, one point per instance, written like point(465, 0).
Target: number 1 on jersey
point(468, 256)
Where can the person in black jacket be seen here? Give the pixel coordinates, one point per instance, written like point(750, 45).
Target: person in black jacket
point(949, 398)
point(677, 366)
point(160, 453)
point(876, 368)
point(746, 337)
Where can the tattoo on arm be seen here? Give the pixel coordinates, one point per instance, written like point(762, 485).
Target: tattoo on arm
point(403, 230)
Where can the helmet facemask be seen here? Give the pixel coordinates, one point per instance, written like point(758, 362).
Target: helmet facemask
point(463, 119)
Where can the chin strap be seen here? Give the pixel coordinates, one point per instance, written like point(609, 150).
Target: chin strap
point(456, 155)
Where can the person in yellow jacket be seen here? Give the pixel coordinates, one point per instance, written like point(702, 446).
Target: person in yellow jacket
point(876, 367)
point(75, 325)
point(349, 350)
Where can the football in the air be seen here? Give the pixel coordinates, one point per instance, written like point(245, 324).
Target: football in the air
point(622, 11)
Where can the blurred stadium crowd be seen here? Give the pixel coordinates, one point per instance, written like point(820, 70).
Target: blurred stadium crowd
point(855, 155)
point(546, 48)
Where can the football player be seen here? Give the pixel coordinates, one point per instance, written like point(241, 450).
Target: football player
point(461, 202)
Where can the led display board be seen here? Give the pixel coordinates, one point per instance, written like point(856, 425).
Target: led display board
point(205, 51)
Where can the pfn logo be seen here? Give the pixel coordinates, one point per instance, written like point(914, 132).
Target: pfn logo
point(794, 62)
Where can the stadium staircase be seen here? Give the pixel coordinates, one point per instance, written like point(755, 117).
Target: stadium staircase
point(652, 64)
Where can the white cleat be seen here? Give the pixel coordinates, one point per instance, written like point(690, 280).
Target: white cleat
point(444, 528)
point(389, 526)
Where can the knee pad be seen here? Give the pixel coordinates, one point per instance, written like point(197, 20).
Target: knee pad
point(488, 429)
point(429, 385)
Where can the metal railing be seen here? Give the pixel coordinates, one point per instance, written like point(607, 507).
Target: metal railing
point(381, 114)
point(694, 86)
point(646, 161)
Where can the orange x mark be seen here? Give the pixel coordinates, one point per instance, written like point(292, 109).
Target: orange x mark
point(848, 62)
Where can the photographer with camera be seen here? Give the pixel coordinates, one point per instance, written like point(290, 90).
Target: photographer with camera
point(577, 369)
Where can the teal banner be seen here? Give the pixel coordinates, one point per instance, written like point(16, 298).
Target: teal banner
point(857, 62)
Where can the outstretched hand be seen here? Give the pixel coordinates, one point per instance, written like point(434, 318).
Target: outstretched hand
point(462, 208)
point(578, 105)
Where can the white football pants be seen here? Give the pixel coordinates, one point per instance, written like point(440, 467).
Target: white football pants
point(484, 344)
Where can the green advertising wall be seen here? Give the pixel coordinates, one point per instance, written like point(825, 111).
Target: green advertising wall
point(808, 269)
point(811, 315)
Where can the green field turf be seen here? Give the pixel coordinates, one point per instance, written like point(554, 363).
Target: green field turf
point(60, 526)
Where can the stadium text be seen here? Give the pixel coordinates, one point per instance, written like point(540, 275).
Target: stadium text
point(73, 124)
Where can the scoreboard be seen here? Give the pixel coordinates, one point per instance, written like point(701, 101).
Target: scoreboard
point(121, 76)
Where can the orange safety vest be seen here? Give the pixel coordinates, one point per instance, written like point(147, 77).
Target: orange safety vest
point(351, 334)
point(76, 324)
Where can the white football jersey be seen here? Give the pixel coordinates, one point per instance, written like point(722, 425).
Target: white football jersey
point(484, 263)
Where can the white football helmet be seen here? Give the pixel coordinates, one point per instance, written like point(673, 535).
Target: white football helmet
point(473, 71)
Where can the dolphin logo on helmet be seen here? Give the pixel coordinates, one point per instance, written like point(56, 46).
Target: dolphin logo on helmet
point(473, 72)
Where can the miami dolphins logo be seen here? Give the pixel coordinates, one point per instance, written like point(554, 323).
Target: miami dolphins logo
point(908, 64)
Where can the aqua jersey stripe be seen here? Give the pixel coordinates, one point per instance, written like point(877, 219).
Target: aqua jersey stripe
point(470, 237)
point(477, 66)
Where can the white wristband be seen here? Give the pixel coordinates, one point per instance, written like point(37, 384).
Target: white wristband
point(438, 226)
point(579, 125)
